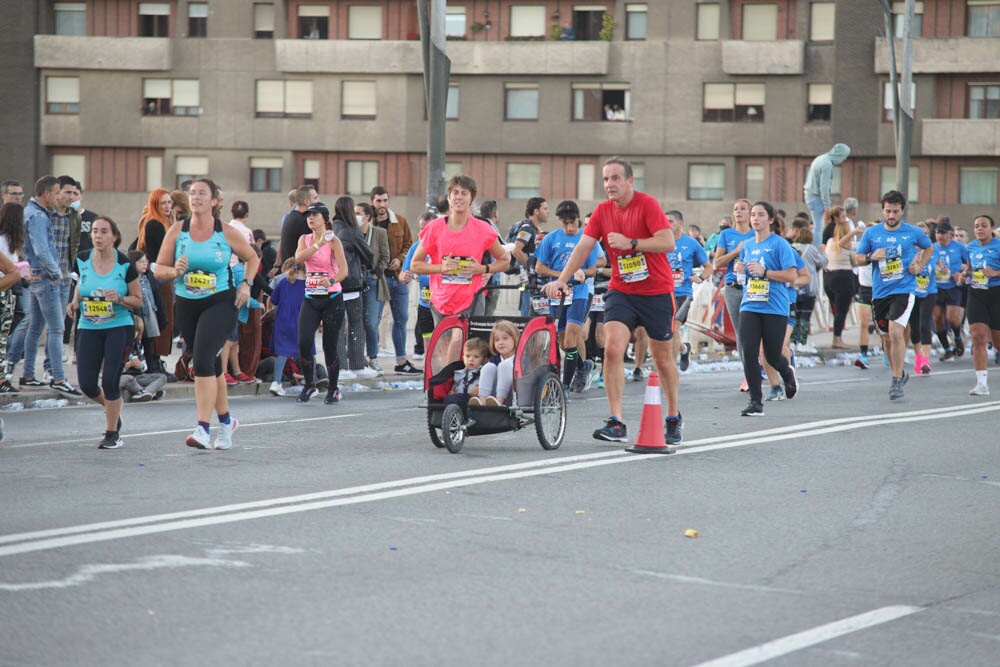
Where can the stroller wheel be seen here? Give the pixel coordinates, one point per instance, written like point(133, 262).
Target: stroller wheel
point(453, 428)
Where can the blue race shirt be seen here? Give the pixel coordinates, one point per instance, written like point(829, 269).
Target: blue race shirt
point(891, 274)
point(554, 252)
point(951, 257)
point(96, 312)
point(687, 254)
point(729, 238)
point(424, 281)
point(208, 269)
point(981, 256)
point(763, 295)
point(925, 283)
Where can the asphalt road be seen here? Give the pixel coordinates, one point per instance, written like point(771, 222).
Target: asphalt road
point(839, 529)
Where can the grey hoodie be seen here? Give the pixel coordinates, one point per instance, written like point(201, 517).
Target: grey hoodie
point(820, 174)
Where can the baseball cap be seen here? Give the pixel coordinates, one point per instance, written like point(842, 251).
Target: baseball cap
point(319, 207)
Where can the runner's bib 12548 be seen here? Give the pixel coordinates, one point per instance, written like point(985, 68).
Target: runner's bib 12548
point(96, 309)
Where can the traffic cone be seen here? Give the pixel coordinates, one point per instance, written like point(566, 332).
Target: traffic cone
point(650, 439)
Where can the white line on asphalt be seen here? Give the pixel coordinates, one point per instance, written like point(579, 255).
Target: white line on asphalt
point(800, 640)
point(99, 532)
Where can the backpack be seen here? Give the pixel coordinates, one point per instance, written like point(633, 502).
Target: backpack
point(515, 229)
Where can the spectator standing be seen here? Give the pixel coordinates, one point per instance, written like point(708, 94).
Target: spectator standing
point(839, 276)
point(359, 262)
point(377, 293)
point(12, 322)
point(294, 225)
point(819, 179)
point(157, 218)
point(286, 299)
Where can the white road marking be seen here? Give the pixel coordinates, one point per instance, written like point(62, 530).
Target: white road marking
point(138, 526)
point(684, 579)
point(88, 573)
point(800, 640)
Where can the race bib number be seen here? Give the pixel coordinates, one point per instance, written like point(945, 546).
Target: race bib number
point(891, 269)
point(96, 309)
point(425, 293)
point(540, 304)
point(314, 283)
point(462, 275)
point(758, 289)
point(632, 267)
point(678, 276)
point(567, 301)
point(979, 280)
point(200, 283)
point(597, 305)
point(943, 273)
point(922, 283)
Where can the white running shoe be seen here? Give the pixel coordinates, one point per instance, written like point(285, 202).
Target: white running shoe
point(347, 374)
point(980, 390)
point(374, 365)
point(224, 440)
point(364, 373)
point(275, 388)
point(199, 438)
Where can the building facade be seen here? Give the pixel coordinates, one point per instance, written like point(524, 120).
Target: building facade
point(710, 100)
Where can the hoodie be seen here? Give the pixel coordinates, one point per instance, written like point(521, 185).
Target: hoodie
point(820, 175)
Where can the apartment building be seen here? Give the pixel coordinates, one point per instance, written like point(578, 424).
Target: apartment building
point(711, 100)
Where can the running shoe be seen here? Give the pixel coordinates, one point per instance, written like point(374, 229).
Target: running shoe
point(493, 402)
point(332, 396)
point(347, 374)
point(275, 389)
point(613, 431)
point(111, 441)
point(685, 357)
point(363, 373)
point(373, 365)
point(753, 410)
point(777, 393)
point(792, 384)
point(7, 388)
point(591, 376)
point(903, 380)
point(925, 368)
point(600, 381)
point(224, 440)
point(637, 374)
point(862, 362)
point(996, 357)
point(64, 387)
point(230, 380)
point(406, 368)
point(947, 356)
point(896, 389)
point(30, 382)
point(959, 346)
point(158, 395)
point(581, 378)
point(475, 400)
point(141, 397)
point(981, 389)
point(199, 438)
point(307, 392)
point(673, 428)
point(417, 356)
point(243, 378)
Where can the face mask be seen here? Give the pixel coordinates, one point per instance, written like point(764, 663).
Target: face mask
point(76, 205)
point(361, 220)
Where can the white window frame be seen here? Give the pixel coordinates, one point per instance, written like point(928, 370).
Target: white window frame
point(455, 21)
point(767, 30)
point(270, 168)
point(707, 21)
point(67, 9)
point(525, 186)
point(822, 21)
point(887, 181)
point(71, 164)
point(283, 98)
point(62, 95)
point(358, 100)
point(887, 99)
point(154, 172)
point(453, 103)
point(520, 90)
point(528, 20)
point(190, 167)
point(709, 172)
point(586, 178)
point(991, 198)
point(758, 194)
point(633, 10)
point(364, 22)
point(360, 176)
point(263, 19)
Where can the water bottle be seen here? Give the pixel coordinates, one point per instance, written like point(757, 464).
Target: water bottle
point(741, 277)
point(328, 236)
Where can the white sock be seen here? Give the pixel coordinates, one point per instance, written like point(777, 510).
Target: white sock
point(981, 378)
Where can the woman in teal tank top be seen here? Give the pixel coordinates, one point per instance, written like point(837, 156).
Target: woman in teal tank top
point(195, 256)
point(108, 288)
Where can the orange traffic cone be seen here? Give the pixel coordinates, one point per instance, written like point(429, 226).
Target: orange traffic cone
point(650, 439)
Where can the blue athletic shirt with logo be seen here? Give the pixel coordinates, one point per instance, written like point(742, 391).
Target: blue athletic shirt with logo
point(96, 312)
point(554, 252)
point(687, 254)
point(981, 256)
point(763, 295)
point(793, 291)
point(423, 280)
point(951, 257)
point(926, 285)
point(208, 269)
point(891, 275)
point(729, 238)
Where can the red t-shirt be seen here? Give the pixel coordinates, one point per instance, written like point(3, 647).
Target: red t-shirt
point(451, 294)
point(633, 272)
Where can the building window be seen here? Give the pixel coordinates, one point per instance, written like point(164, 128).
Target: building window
point(265, 174)
point(821, 23)
point(70, 164)
point(977, 185)
point(639, 177)
point(887, 113)
point(362, 176)
point(527, 21)
point(820, 102)
point(358, 99)
point(197, 19)
point(314, 21)
point(263, 21)
point(521, 101)
point(454, 22)
point(154, 19)
point(984, 100)
point(62, 94)
point(452, 169)
point(706, 182)
point(984, 18)
point(364, 22)
point(588, 21)
point(171, 97)
point(601, 101)
point(586, 176)
point(310, 173)
point(71, 18)
point(284, 99)
point(524, 180)
point(754, 182)
point(451, 106)
point(887, 178)
point(707, 27)
point(760, 23)
point(729, 102)
point(154, 172)
point(189, 168)
point(898, 16)
point(635, 20)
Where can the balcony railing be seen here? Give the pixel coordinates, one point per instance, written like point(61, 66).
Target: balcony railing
point(943, 55)
point(960, 136)
point(148, 54)
point(786, 56)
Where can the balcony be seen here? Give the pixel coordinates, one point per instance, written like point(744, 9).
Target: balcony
point(960, 136)
point(147, 54)
point(946, 55)
point(404, 57)
point(786, 56)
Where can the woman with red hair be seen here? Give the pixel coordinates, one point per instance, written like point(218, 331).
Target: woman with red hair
point(157, 217)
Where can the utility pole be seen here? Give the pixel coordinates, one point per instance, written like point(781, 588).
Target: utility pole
point(437, 71)
point(901, 87)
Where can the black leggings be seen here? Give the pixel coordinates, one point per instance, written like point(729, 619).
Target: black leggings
point(840, 288)
point(756, 328)
point(424, 325)
point(205, 325)
point(102, 351)
point(922, 321)
point(329, 311)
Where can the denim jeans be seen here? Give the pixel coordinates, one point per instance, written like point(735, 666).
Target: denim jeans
point(45, 309)
point(373, 315)
point(65, 292)
point(15, 344)
point(816, 208)
point(399, 304)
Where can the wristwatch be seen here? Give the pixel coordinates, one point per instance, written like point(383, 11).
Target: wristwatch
point(249, 283)
point(635, 242)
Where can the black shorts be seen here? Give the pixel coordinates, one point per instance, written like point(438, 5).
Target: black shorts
point(655, 312)
point(865, 295)
point(683, 305)
point(893, 308)
point(984, 307)
point(951, 296)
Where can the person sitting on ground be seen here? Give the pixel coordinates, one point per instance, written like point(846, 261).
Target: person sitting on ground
point(497, 378)
point(136, 382)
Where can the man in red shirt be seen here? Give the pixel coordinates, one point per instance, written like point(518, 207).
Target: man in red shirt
point(637, 237)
